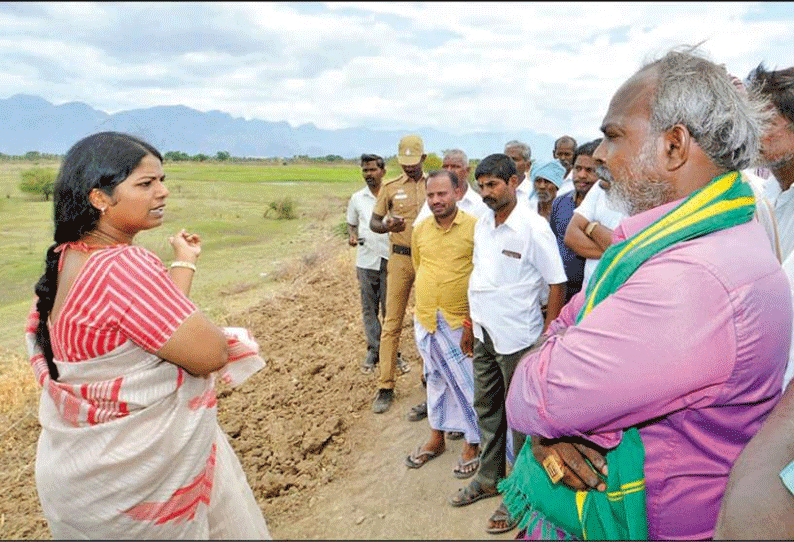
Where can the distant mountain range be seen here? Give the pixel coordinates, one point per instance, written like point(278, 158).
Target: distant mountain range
point(31, 123)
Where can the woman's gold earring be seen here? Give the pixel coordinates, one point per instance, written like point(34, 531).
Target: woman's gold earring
point(102, 210)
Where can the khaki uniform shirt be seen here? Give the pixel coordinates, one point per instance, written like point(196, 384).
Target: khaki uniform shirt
point(401, 197)
point(443, 262)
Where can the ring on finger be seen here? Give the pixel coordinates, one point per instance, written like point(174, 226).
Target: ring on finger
point(553, 467)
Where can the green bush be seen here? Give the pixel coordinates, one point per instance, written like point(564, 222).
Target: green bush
point(341, 228)
point(38, 181)
point(176, 156)
point(285, 208)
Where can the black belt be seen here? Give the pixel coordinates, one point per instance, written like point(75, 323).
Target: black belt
point(399, 249)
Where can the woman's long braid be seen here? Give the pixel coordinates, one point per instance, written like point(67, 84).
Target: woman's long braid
point(46, 288)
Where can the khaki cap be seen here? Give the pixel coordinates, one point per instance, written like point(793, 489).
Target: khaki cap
point(410, 151)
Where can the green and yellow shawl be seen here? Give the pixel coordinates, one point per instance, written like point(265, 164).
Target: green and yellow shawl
point(619, 512)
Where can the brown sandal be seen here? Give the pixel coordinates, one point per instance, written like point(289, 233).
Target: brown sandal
point(501, 515)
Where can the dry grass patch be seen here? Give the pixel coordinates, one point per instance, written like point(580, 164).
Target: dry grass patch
point(18, 388)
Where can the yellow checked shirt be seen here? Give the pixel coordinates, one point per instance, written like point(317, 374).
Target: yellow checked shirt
point(443, 262)
point(402, 197)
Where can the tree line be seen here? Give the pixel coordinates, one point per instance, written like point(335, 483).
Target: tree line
point(41, 180)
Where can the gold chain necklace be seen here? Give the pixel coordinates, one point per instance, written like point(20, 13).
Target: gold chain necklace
point(106, 239)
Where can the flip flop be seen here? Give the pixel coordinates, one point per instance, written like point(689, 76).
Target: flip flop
point(471, 493)
point(460, 472)
point(420, 457)
point(501, 515)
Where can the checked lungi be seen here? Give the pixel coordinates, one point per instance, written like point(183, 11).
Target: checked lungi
point(450, 380)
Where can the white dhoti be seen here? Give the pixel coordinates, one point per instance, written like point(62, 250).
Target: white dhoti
point(450, 380)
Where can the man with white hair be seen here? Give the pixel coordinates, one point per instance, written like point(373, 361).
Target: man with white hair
point(521, 154)
point(456, 161)
point(564, 148)
point(672, 360)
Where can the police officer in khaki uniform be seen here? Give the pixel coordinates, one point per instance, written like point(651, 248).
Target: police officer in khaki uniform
point(398, 203)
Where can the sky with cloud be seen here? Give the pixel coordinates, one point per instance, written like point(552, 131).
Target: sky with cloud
point(457, 67)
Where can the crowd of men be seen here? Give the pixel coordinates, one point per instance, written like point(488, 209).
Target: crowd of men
point(633, 299)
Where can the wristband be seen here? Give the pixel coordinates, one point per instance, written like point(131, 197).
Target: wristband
point(467, 323)
point(187, 265)
point(590, 227)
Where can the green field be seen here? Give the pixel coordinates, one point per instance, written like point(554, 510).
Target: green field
point(244, 252)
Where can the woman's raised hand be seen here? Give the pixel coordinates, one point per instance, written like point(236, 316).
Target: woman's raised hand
point(187, 246)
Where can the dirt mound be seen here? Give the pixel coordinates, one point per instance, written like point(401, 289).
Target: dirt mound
point(289, 422)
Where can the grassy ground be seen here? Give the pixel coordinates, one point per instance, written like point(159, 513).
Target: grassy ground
point(245, 252)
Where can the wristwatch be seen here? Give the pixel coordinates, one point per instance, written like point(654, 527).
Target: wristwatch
point(588, 230)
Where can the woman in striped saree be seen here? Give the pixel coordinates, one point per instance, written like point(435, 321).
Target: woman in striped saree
point(130, 446)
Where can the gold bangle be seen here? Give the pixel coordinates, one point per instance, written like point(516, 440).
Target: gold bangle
point(188, 265)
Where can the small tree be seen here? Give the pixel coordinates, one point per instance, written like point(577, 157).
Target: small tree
point(176, 156)
point(432, 162)
point(222, 156)
point(38, 181)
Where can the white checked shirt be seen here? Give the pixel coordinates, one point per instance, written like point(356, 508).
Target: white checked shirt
point(376, 245)
point(511, 262)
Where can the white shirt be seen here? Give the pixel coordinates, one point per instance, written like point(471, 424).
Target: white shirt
point(764, 211)
point(511, 262)
point(525, 191)
point(567, 184)
point(376, 245)
point(783, 203)
point(788, 267)
point(471, 202)
point(596, 206)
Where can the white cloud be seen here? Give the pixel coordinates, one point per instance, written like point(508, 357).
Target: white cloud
point(457, 67)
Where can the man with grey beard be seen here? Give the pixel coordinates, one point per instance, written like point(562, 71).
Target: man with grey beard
point(589, 233)
point(670, 362)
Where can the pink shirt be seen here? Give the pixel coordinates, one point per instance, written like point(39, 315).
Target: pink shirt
point(692, 348)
